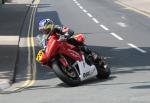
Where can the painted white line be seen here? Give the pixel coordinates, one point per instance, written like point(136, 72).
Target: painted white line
point(80, 7)
point(104, 27)
point(137, 48)
point(89, 15)
point(78, 4)
point(122, 24)
point(84, 10)
point(116, 36)
point(95, 20)
point(76, 1)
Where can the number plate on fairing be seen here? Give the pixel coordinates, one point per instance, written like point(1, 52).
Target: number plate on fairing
point(39, 56)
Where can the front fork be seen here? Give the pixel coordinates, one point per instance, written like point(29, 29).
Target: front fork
point(63, 61)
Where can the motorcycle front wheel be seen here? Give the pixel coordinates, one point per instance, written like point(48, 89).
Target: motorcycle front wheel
point(71, 79)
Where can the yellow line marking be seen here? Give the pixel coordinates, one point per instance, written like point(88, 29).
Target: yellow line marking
point(29, 54)
point(33, 49)
point(132, 8)
point(30, 42)
point(32, 45)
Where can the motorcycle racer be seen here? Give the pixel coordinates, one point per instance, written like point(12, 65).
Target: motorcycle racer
point(48, 28)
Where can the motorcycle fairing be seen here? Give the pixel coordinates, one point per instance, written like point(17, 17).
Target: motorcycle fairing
point(52, 47)
point(67, 50)
point(86, 71)
point(55, 47)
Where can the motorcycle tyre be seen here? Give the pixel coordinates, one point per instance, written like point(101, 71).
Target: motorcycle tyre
point(62, 76)
point(103, 73)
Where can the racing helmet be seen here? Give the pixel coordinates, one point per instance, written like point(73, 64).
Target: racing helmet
point(46, 26)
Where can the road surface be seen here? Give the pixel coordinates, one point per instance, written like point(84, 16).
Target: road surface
point(121, 35)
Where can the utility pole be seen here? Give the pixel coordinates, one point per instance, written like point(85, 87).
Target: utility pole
point(2, 1)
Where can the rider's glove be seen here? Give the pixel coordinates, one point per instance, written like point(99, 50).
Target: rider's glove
point(62, 38)
point(67, 35)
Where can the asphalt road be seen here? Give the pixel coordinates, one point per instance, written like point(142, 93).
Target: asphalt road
point(117, 33)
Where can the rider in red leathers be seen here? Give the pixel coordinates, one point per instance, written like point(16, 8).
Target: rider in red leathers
point(47, 27)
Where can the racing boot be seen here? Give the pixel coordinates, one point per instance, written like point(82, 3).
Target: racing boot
point(94, 56)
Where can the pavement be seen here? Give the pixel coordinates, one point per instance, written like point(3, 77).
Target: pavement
point(12, 16)
point(141, 5)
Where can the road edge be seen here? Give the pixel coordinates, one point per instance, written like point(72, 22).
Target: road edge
point(7, 83)
point(138, 10)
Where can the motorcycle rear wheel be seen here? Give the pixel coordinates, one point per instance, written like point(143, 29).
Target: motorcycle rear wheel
point(59, 71)
point(103, 71)
point(102, 68)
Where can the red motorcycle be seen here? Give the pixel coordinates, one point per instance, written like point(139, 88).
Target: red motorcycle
point(70, 63)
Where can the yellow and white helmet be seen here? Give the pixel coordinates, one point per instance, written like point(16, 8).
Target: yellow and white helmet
point(46, 26)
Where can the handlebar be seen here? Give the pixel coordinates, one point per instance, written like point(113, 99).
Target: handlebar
point(61, 37)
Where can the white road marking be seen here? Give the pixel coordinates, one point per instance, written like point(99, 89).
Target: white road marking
point(95, 20)
point(84, 10)
point(76, 1)
point(123, 17)
point(104, 27)
point(116, 36)
point(137, 48)
point(80, 7)
point(122, 24)
point(9, 40)
point(78, 4)
point(89, 15)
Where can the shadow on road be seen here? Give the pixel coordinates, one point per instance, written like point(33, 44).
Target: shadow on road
point(125, 60)
point(141, 87)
